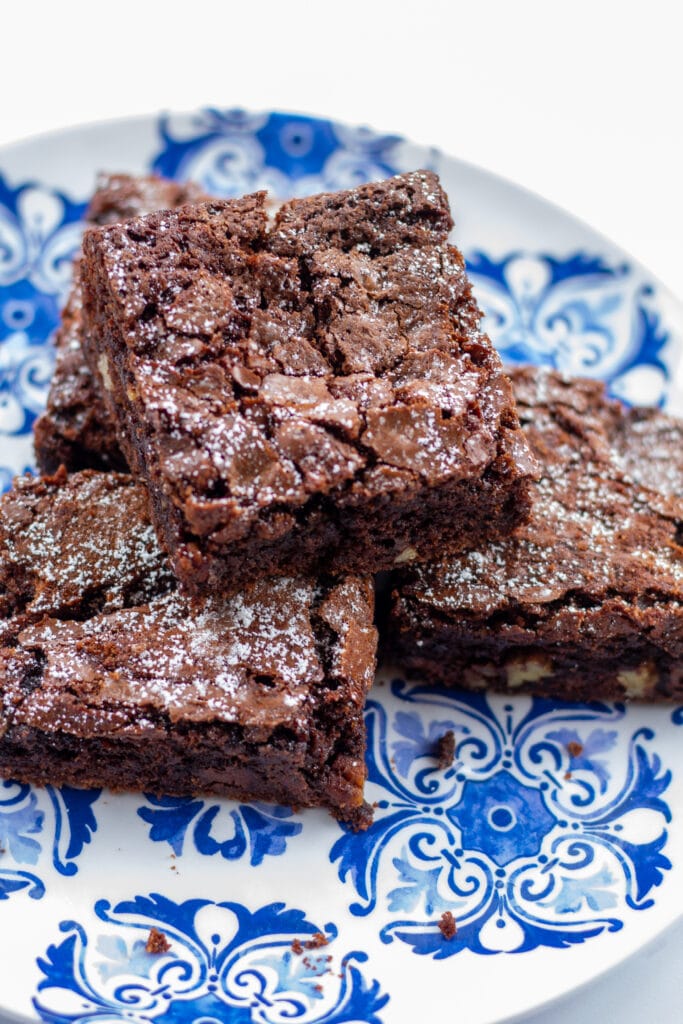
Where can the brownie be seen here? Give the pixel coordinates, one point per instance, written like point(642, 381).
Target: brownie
point(583, 602)
point(306, 396)
point(77, 430)
point(74, 547)
point(109, 676)
point(120, 197)
point(648, 443)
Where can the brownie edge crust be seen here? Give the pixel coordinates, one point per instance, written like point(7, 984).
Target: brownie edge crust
point(585, 602)
point(77, 430)
point(257, 697)
point(312, 395)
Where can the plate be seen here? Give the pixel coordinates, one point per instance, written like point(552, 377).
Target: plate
point(556, 865)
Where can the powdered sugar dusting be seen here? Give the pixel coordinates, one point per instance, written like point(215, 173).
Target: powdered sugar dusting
point(252, 659)
point(594, 530)
point(246, 378)
point(110, 659)
point(85, 541)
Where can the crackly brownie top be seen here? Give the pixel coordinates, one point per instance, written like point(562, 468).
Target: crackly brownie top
point(284, 653)
point(599, 528)
point(98, 637)
point(120, 197)
point(77, 425)
point(73, 546)
point(377, 218)
point(337, 350)
point(649, 445)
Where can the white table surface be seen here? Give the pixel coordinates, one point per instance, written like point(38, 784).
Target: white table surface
point(581, 103)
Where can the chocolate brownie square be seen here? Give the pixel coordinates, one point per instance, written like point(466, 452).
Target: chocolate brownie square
point(583, 602)
point(77, 430)
point(109, 676)
point(306, 396)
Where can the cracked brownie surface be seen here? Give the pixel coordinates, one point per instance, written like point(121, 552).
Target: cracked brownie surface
point(77, 430)
point(313, 394)
point(585, 600)
point(74, 546)
point(109, 676)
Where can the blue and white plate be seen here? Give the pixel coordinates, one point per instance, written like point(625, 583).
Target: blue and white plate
point(556, 865)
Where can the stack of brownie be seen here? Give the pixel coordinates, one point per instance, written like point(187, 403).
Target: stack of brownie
point(250, 417)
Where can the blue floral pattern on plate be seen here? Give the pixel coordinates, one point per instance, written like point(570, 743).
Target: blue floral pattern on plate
point(258, 830)
point(63, 820)
point(529, 839)
point(550, 828)
point(40, 230)
point(232, 152)
point(224, 962)
point(578, 315)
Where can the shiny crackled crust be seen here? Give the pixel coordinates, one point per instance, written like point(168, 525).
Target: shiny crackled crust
point(77, 429)
point(586, 600)
point(314, 394)
point(110, 677)
point(75, 546)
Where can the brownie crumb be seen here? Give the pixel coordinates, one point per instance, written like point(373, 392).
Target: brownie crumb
point(157, 942)
point(445, 750)
point(318, 988)
point(316, 941)
point(360, 818)
point(574, 749)
point(447, 925)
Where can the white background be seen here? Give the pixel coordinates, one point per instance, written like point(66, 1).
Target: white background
point(581, 102)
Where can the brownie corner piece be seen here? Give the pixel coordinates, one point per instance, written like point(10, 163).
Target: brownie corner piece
point(410, 209)
point(109, 676)
point(312, 395)
point(585, 601)
point(120, 197)
point(77, 429)
point(258, 697)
